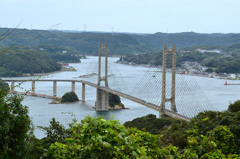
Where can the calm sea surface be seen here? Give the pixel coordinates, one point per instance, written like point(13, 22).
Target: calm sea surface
point(42, 112)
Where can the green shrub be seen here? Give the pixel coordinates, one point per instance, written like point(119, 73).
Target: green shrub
point(114, 100)
point(15, 125)
point(100, 138)
point(69, 97)
point(151, 123)
point(224, 139)
point(234, 107)
point(4, 86)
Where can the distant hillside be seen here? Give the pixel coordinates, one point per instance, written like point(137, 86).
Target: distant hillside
point(227, 61)
point(234, 49)
point(58, 53)
point(17, 61)
point(87, 42)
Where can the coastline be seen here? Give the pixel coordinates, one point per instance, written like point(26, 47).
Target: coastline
point(46, 74)
point(109, 108)
point(198, 75)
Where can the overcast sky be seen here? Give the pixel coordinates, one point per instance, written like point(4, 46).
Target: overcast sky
point(138, 16)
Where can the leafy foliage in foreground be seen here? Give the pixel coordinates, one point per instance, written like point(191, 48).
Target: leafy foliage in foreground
point(56, 132)
point(221, 127)
point(14, 127)
point(208, 135)
point(4, 86)
point(234, 107)
point(100, 138)
point(151, 123)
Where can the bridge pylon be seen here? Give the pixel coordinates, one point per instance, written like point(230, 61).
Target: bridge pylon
point(166, 51)
point(102, 96)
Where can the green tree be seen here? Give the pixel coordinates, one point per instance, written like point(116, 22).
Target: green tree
point(56, 132)
point(234, 107)
point(217, 142)
point(219, 130)
point(114, 100)
point(100, 138)
point(69, 97)
point(4, 86)
point(151, 123)
point(14, 127)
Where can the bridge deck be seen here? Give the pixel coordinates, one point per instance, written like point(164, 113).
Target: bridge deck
point(143, 102)
point(132, 98)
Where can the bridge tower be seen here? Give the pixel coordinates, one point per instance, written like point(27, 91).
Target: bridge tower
point(102, 96)
point(166, 51)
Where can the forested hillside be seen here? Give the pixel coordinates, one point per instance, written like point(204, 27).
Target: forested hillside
point(17, 61)
point(60, 46)
point(228, 61)
point(58, 53)
point(87, 42)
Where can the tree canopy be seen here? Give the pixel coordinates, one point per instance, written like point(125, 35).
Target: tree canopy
point(69, 97)
point(119, 43)
point(208, 135)
point(14, 127)
point(17, 61)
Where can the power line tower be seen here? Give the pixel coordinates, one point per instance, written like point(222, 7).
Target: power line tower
point(166, 51)
point(102, 96)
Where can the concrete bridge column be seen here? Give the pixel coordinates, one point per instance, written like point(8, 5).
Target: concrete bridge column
point(164, 99)
point(102, 100)
point(162, 106)
point(55, 88)
point(83, 92)
point(73, 86)
point(33, 87)
point(12, 85)
point(173, 104)
point(102, 96)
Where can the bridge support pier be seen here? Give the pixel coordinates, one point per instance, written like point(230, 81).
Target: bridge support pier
point(102, 96)
point(73, 86)
point(12, 85)
point(33, 87)
point(55, 88)
point(83, 92)
point(102, 100)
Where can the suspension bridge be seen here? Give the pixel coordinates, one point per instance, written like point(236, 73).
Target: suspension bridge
point(161, 88)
